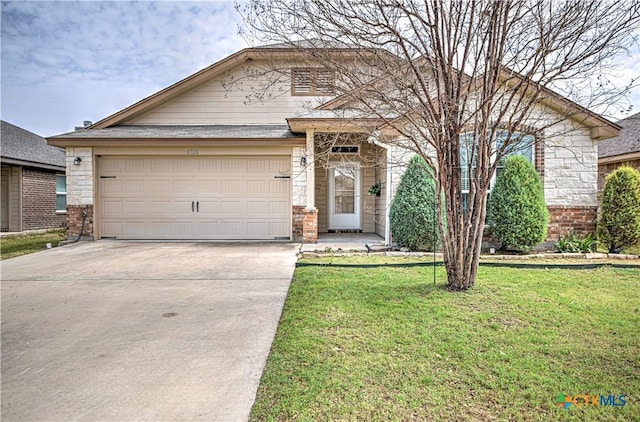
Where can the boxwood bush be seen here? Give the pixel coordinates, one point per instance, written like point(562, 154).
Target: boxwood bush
point(517, 211)
point(412, 209)
point(619, 224)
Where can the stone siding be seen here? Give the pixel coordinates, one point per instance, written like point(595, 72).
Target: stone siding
point(80, 187)
point(571, 170)
point(298, 177)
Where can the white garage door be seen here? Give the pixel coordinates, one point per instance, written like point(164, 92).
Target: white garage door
point(222, 198)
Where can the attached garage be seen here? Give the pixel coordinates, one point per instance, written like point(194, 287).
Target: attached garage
point(194, 197)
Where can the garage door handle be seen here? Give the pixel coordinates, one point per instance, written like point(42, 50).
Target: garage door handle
point(198, 206)
point(191, 206)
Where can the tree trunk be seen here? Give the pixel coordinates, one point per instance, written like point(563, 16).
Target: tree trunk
point(462, 245)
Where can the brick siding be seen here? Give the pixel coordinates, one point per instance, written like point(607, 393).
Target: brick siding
point(310, 226)
point(39, 201)
point(298, 222)
point(580, 220)
point(74, 221)
point(605, 169)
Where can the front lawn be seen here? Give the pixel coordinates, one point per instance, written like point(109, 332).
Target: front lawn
point(23, 244)
point(385, 344)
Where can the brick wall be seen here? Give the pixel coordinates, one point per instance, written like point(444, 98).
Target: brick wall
point(566, 219)
point(74, 221)
point(39, 200)
point(605, 169)
point(298, 221)
point(310, 226)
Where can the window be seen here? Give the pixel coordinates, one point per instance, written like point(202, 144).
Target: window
point(61, 193)
point(524, 146)
point(312, 81)
point(346, 149)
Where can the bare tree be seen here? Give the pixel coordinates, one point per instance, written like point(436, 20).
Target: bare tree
point(451, 78)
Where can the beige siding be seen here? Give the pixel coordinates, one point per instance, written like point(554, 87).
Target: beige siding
point(368, 158)
point(245, 95)
point(322, 198)
point(381, 201)
point(368, 201)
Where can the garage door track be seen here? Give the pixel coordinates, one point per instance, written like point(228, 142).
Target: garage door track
point(119, 331)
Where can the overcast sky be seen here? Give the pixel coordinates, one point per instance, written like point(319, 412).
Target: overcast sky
point(65, 62)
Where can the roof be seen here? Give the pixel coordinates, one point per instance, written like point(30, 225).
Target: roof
point(21, 147)
point(627, 142)
point(182, 132)
point(178, 135)
point(601, 128)
point(247, 54)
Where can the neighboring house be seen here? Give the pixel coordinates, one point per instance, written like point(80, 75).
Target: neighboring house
point(205, 158)
point(33, 181)
point(620, 150)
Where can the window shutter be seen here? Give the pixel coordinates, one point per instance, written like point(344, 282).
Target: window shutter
point(324, 81)
point(301, 79)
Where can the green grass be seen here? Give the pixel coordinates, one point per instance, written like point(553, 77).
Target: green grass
point(385, 344)
point(23, 244)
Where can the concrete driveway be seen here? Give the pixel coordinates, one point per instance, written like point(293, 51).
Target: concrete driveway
point(132, 331)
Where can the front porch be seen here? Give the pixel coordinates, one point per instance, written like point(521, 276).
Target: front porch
point(343, 242)
point(350, 188)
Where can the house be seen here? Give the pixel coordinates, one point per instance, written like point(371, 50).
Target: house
point(210, 157)
point(619, 150)
point(33, 181)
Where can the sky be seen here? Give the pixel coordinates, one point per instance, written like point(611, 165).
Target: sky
point(64, 62)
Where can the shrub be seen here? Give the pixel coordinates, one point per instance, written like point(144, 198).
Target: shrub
point(517, 213)
point(412, 209)
point(575, 244)
point(619, 224)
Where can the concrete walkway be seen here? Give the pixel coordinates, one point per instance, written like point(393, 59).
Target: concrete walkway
point(132, 331)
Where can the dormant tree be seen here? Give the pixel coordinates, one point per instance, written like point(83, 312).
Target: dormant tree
point(457, 81)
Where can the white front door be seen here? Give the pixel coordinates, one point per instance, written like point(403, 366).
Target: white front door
point(344, 196)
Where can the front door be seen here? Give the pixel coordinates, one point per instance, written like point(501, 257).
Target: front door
point(344, 196)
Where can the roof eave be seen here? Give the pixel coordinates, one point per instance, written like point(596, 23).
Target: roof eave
point(172, 142)
point(335, 124)
point(25, 163)
point(619, 158)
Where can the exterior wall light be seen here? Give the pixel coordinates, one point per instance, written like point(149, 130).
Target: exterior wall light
point(76, 161)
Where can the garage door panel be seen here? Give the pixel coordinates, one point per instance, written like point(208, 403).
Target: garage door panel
point(209, 186)
point(231, 229)
point(133, 208)
point(278, 208)
point(257, 208)
point(231, 186)
point(195, 197)
point(257, 186)
point(278, 186)
point(133, 229)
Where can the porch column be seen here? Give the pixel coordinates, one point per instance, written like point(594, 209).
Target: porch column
point(310, 168)
point(310, 221)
